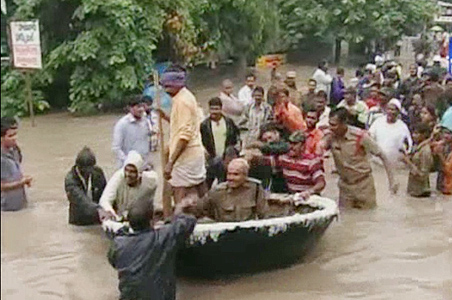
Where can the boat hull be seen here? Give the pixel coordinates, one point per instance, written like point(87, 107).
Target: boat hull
point(249, 249)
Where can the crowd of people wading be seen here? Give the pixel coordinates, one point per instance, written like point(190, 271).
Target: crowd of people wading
point(223, 166)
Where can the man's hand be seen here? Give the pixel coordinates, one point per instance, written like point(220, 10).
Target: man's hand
point(26, 180)
point(168, 170)
point(162, 114)
point(106, 215)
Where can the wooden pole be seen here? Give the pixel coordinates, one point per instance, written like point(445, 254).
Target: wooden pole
point(166, 191)
point(29, 97)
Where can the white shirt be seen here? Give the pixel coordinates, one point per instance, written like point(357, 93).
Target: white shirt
point(219, 135)
point(323, 81)
point(232, 107)
point(391, 137)
point(246, 95)
point(324, 119)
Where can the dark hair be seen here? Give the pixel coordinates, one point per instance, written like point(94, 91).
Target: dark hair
point(284, 91)
point(340, 71)
point(423, 129)
point(141, 213)
point(308, 107)
point(266, 128)
point(359, 73)
point(312, 80)
point(259, 89)
point(231, 151)
point(85, 158)
point(250, 75)
point(175, 68)
point(322, 94)
point(216, 101)
point(322, 64)
point(431, 110)
point(148, 99)
point(7, 124)
point(341, 113)
point(136, 100)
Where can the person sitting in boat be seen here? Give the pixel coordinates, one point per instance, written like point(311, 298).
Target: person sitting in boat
point(84, 185)
point(304, 173)
point(239, 199)
point(126, 184)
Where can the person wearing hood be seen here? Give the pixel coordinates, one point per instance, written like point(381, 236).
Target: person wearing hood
point(126, 184)
point(391, 133)
point(84, 185)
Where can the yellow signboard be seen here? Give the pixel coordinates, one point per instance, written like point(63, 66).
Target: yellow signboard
point(271, 60)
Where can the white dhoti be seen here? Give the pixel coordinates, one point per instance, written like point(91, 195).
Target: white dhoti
point(188, 173)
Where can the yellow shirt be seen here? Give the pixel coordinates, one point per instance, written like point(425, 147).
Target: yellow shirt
point(185, 125)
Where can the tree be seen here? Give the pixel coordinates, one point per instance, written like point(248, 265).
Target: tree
point(355, 21)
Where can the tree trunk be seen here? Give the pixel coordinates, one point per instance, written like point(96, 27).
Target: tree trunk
point(337, 51)
point(242, 64)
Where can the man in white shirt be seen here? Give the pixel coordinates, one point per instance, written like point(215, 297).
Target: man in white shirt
point(232, 107)
point(323, 79)
point(323, 112)
point(246, 92)
point(391, 133)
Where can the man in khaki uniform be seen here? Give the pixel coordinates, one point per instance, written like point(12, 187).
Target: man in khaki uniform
point(239, 199)
point(351, 147)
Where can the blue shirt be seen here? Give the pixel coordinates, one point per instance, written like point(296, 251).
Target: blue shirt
point(131, 134)
point(14, 199)
point(446, 121)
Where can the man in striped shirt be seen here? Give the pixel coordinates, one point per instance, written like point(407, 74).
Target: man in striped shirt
point(304, 173)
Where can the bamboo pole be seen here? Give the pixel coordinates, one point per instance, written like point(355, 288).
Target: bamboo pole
point(29, 97)
point(166, 190)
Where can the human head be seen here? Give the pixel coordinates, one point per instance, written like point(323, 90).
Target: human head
point(449, 82)
point(9, 130)
point(283, 95)
point(428, 114)
point(374, 91)
point(311, 115)
point(446, 135)
point(297, 142)
point(250, 80)
point(147, 104)
point(141, 213)
point(421, 132)
point(320, 101)
point(350, 95)
point(434, 77)
point(238, 170)
point(340, 72)
point(393, 110)
point(338, 121)
point(136, 106)
point(85, 161)
point(413, 70)
point(173, 80)
point(417, 100)
point(132, 168)
point(385, 95)
point(258, 94)
point(269, 133)
point(312, 85)
point(215, 109)
point(359, 73)
point(323, 65)
point(290, 79)
point(227, 87)
point(229, 154)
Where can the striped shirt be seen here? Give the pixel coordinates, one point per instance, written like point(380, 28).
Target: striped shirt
point(301, 173)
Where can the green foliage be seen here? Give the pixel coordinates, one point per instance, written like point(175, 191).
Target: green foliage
point(13, 100)
point(355, 20)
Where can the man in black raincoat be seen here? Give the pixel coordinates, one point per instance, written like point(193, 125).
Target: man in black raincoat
point(84, 185)
point(145, 259)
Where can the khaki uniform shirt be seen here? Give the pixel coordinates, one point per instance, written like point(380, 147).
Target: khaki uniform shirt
point(351, 155)
point(225, 204)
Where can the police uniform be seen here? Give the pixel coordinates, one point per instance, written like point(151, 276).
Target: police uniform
point(225, 204)
point(356, 183)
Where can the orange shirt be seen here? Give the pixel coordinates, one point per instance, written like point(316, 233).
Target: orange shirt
point(313, 142)
point(290, 117)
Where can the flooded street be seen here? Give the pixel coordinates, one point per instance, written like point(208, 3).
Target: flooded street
point(401, 251)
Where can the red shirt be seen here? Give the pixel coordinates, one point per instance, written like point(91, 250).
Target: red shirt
point(301, 173)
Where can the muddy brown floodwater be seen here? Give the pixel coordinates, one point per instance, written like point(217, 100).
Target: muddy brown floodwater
point(401, 251)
